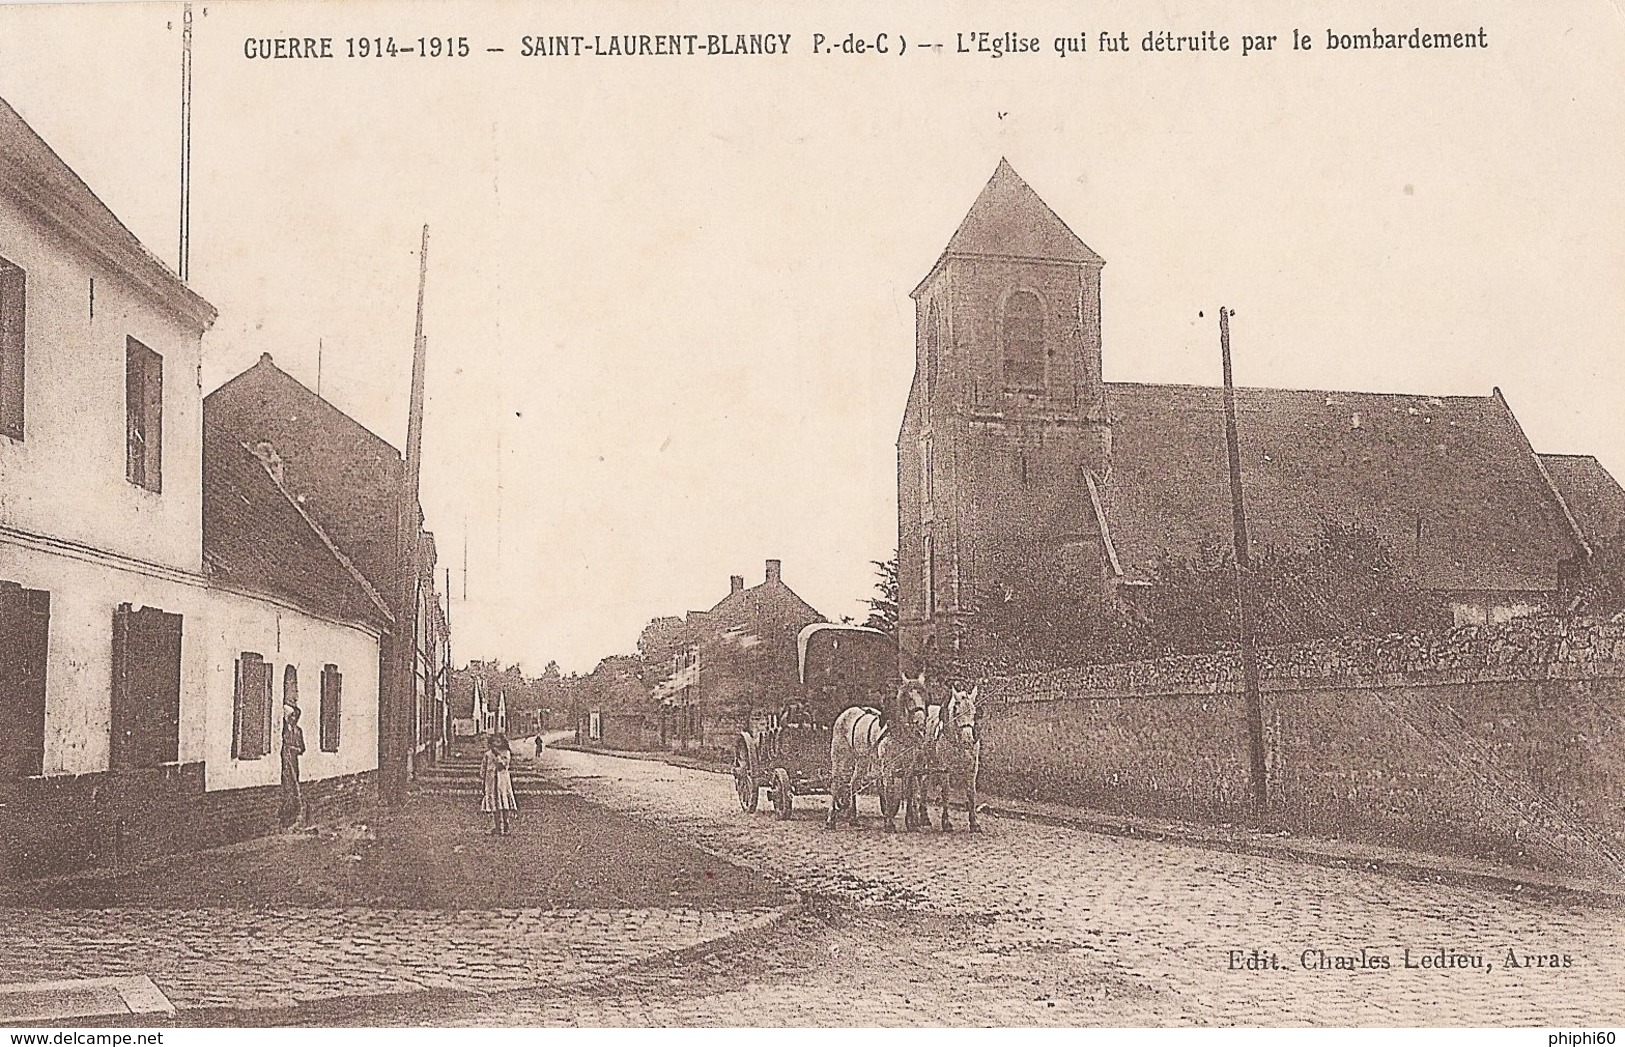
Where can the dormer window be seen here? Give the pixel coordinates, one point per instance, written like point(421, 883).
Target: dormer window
point(1023, 332)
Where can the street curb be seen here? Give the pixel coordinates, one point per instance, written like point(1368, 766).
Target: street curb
point(334, 1010)
point(1402, 865)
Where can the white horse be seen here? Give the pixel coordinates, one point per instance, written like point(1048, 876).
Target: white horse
point(952, 755)
point(868, 747)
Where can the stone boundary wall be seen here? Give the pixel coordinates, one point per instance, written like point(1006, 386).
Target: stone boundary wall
point(61, 824)
point(1528, 649)
point(1504, 742)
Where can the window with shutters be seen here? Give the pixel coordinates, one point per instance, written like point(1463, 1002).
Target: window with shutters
point(13, 325)
point(332, 693)
point(144, 416)
point(251, 708)
point(25, 619)
point(1023, 334)
point(146, 688)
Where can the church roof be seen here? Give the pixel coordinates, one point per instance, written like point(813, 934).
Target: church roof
point(1449, 483)
point(1591, 492)
point(1009, 220)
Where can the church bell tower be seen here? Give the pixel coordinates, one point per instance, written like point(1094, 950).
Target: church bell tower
point(1005, 438)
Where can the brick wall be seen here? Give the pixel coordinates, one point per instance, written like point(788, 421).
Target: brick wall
point(1503, 742)
point(65, 823)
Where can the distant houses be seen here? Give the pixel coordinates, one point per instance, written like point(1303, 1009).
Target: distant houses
point(697, 680)
point(171, 580)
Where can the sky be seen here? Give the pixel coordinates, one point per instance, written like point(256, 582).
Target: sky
point(670, 332)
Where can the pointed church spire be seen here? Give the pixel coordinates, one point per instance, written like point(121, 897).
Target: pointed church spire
point(1009, 219)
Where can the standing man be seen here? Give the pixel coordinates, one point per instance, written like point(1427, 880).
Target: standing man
point(293, 747)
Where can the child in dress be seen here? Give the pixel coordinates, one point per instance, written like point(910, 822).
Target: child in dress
point(499, 798)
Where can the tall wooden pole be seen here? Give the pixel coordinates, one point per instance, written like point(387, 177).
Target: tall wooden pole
point(401, 714)
point(184, 255)
point(1244, 570)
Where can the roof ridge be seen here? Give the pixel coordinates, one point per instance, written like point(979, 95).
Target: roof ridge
point(1302, 392)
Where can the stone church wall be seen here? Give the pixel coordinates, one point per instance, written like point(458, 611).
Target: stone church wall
point(1504, 743)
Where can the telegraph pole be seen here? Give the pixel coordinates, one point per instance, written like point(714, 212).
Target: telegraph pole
point(395, 734)
point(1244, 570)
point(185, 252)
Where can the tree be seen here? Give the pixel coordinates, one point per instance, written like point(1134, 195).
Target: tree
point(883, 607)
point(1346, 582)
point(1601, 588)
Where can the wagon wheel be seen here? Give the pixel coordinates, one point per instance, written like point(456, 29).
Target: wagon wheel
point(744, 780)
point(783, 797)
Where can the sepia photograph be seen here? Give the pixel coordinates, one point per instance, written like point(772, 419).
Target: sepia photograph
point(697, 514)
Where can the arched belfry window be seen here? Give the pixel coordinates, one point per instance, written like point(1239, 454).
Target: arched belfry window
point(1023, 331)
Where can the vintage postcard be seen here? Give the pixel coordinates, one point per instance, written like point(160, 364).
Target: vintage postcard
point(714, 514)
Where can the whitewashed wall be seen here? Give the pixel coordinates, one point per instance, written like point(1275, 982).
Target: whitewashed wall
point(218, 626)
point(66, 477)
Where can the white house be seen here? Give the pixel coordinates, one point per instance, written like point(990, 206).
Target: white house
point(159, 598)
point(489, 718)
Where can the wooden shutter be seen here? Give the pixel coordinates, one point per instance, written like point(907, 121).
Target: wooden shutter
point(144, 415)
point(332, 695)
point(252, 708)
point(135, 437)
point(13, 329)
point(153, 407)
point(25, 617)
point(146, 688)
point(266, 708)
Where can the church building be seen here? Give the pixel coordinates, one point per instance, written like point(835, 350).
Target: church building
point(1015, 455)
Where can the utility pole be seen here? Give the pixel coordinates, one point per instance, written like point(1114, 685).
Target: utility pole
point(445, 694)
point(184, 255)
point(395, 733)
point(1244, 570)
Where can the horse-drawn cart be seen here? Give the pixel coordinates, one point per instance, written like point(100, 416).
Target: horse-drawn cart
point(841, 666)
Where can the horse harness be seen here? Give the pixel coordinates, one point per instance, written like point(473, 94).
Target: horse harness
point(874, 728)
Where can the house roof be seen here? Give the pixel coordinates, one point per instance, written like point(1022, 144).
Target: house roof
point(1448, 482)
point(771, 603)
point(346, 476)
point(32, 172)
point(1009, 220)
point(256, 537)
point(267, 383)
point(1593, 495)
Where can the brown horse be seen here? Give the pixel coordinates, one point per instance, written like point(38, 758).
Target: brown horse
point(951, 755)
point(868, 746)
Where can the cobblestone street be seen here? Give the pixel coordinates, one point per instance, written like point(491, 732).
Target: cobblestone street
point(1029, 924)
point(422, 901)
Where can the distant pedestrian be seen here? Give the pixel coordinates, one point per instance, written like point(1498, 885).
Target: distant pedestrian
point(496, 771)
point(538, 745)
point(293, 747)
